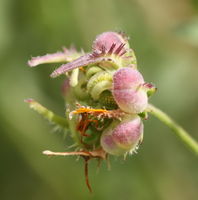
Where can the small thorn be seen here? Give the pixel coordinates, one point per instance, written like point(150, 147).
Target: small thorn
point(122, 53)
point(111, 48)
point(47, 152)
point(103, 49)
point(28, 100)
point(119, 48)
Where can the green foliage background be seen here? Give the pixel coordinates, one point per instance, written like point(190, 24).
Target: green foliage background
point(164, 34)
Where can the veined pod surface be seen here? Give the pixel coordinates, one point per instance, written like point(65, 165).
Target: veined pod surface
point(129, 90)
point(123, 136)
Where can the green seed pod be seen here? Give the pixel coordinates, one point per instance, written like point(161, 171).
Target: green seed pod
point(107, 100)
point(91, 70)
point(98, 83)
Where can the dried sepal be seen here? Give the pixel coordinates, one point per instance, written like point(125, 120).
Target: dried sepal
point(91, 122)
point(100, 154)
point(98, 113)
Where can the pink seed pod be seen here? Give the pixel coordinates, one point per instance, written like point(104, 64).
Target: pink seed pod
point(129, 90)
point(122, 137)
point(110, 41)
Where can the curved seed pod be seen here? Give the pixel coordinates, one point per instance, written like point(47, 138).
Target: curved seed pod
point(129, 90)
point(92, 70)
point(98, 83)
point(99, 88)
point(122, 137)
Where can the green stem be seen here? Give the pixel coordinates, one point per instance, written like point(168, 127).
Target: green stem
point(47, 114)
point(177, 129)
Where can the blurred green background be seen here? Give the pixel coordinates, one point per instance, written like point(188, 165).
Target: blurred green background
point(164, 34)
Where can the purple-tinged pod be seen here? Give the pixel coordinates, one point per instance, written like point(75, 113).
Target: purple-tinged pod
point(122, 137)
point(130, 91)
point(116, 47)
point(111, 42)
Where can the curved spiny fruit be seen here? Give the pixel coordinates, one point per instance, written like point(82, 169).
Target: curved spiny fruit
point(123, 136)
point(129, 90)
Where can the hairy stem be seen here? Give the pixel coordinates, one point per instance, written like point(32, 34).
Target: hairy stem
point(47, 114)
point(177, 129)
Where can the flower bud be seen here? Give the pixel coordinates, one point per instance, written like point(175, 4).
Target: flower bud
point(129, 90)
point(122, 137)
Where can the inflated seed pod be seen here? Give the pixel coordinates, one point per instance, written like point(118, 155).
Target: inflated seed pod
point(123, 136)
point(114, 45)
point(129, 90)
point(107, 39)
